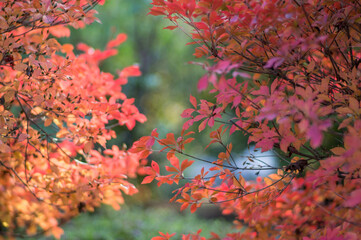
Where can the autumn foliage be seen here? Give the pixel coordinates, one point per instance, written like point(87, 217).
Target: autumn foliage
point(285, 74)
point(57, 112)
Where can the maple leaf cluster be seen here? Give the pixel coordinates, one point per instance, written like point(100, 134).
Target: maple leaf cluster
point(57, 112)
point(285, 74)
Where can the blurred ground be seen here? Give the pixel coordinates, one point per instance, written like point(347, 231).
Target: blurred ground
point(138, 223)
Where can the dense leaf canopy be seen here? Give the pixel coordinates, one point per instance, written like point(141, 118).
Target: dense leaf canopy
point(285, 74)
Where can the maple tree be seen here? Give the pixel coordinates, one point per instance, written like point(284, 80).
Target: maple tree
point(285, 74)
point(57, 112)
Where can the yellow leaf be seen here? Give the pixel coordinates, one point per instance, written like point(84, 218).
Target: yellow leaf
point(31, 229)
point(71, 118)
point(57, 122)
point(280, 185)
point(20, 67)
point(344, 110)
point(274, 176)
point(267, 181)
point(57, 232)
point(311, 66)
point(53, 43)
point(239, 183)
point(324, 97)
point(38, 99)
point(354, 105)
point(213, 200)
point(324, 85)
point(345, 123)
point(17, 155)
point(68, 48)
point(48, 122)
point(4, 147)
point(338, 150)
point(9, 96)
point(62, 133)
point(88, 146)
point(5, 89)
point(3, 23)
point(36, 110)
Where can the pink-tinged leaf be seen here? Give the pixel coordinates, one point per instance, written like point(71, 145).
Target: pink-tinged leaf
point(171, 27)
point(265, 144)
point(48, 19)
point(163, 149)
point(4, 148)
point(286, 141)
point(117, 41)
point(131, 71)
point(57, 232)
point(210, 143)
point(169, 140)
point(338, 151)
point(192, 43)
point(59, 31)
point(223, 66)
point(193, 207)
point(174, 161)
point(212, 78)
point(314, 134)
point(184, 206)
point(149, 144)
point(22, 137)
point(274, 85)
point(185, 164)
point(188, 140)
point(303, 125)
point(354, 104)
point(187, 113)
point(88, 146)
point(167, 235)
point(233, 129)
point(274, 62)
point(170, 154)
point(193, 101)
point(157, 238)
point(354, 199)
point(201, 25)
point(83, 47)
point(237, 100)
point(188, 133)
point(148, 179)
point(154, 133)
point(241, 74)
point(211, 122)
point(198, 118)
point(345, 123)
point(156, 11)
point(171, 169)
point(155, 167)
point(203, 83)
point(187, 124)
point(263, 91)
point(202, 125)
point(176, 7)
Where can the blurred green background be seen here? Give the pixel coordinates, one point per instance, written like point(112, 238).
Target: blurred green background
point(138, 223)
point(161, 93)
